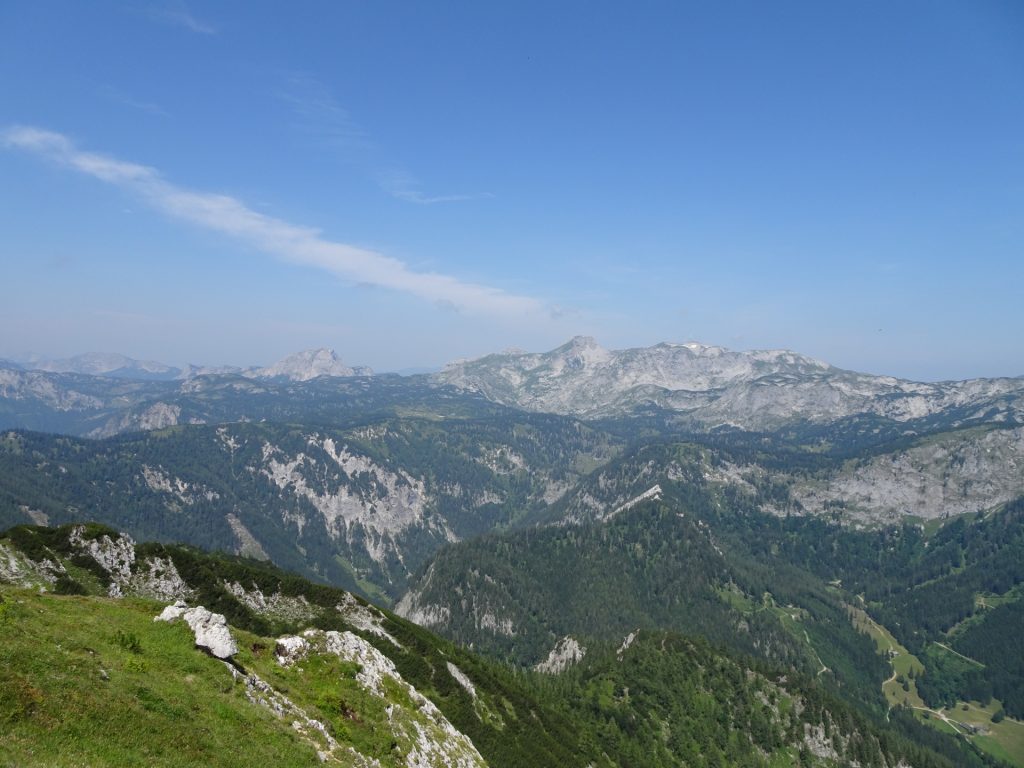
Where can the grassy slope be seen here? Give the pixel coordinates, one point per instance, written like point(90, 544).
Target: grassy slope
point(94, 697)
point(505, 721)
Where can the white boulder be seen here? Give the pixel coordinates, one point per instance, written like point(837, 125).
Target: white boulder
point(210, 629)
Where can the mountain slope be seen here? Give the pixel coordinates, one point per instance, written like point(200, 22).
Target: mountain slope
point(360, 688)
point(361, 507)
point(95, 680)
point(700, 540)
point(672, 388)
point(649, 560)
point(934, 477)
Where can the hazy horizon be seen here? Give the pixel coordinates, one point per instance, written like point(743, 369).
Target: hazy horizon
point(411, 184)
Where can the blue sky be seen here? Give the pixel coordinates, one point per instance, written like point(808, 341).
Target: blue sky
point(414, 182)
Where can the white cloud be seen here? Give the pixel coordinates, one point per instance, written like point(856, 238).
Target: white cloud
point(297, 244)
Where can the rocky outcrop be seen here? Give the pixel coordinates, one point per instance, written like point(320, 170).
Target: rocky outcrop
point(566, 652)
point(462, 679)
point(17, 569)
point(157, 578)
point(116, 555)
point(276, 605)
point(365, 501)
point(210, 629)
point(421, 731)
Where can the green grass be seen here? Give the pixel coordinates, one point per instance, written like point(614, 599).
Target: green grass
point(93, 682)
point(983, 603)
point(902, 661)
point(735, 598)
point(937, 723)
point(1004, 740)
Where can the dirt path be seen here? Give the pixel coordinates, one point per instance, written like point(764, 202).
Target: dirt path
point(951, 723)
point(823, 667)
point(957, 653)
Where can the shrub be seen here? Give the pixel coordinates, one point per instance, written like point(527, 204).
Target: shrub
point(128, 640)
point(67, 586)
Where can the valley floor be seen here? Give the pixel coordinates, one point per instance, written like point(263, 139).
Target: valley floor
point(970, 720)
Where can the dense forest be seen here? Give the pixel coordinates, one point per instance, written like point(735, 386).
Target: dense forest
point(924, 588)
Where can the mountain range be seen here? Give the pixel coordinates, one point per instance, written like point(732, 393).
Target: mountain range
point(714, 387)
point(860, 533)
point(681, 386)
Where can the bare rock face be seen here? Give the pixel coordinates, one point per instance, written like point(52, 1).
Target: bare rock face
point(115, 555)
point(566, 652)
point(211, 629)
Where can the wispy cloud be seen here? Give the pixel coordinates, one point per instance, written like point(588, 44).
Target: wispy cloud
point(177, 14)
point(404, 186)
point(318, 115)
point(121, 97)
point(293, 243)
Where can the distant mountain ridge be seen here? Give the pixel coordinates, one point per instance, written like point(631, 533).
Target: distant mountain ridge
point(301, 366)
point(309, 364)
point(103, 364)
point(671, 387)
point(712, 386)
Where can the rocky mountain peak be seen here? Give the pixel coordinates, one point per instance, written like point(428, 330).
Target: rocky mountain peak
point(310, 364)
point(580, 352)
